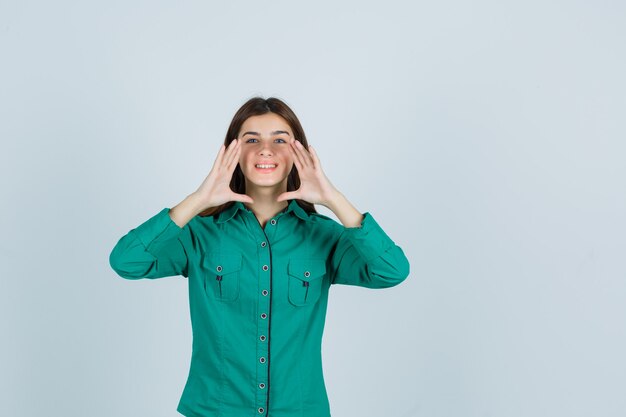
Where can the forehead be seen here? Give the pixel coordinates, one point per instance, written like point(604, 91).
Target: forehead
point(265, 123)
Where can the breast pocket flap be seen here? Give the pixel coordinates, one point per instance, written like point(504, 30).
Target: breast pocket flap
point(307, 269)
point(222, 275)
point(305, 280)
point(222, 263)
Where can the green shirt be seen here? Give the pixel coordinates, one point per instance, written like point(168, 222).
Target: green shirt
point(257, 299)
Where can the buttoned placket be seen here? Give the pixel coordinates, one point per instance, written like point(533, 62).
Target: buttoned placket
point(326, 253)
point(265, 308)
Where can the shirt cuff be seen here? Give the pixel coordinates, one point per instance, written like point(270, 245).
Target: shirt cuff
point(369, 239)
point(159, 227)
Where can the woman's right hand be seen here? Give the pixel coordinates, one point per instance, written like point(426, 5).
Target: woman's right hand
point(215, 189)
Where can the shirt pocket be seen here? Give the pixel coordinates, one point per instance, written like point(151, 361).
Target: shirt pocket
point(305, 280)
point(221, 275)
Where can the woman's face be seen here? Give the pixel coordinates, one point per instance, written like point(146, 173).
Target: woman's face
point(265, 140)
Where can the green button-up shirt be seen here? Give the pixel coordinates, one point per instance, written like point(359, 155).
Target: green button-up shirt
point(257, 298)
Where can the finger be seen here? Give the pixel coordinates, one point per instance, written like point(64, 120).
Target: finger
point(294, 155)
point(241, 197)
point(218, 157)
point(305, 157)
point(287, 196)
point(316, 160)
point(225, 152)
point(230, 154)
point(297, 155)
point(235, 157)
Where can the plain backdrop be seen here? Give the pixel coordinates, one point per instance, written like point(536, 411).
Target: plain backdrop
point(486, 137)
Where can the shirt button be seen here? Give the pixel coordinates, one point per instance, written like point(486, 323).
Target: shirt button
point(263, 315)
point(262, 359)
point(264, 292)
point(265, 267)
point(261, 410)
point(273, 221)
point(261, 385)
point(219, 268)
point(262, 338)
point(307, 273)
point(263, 244)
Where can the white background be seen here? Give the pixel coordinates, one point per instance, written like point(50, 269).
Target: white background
point(486, 137)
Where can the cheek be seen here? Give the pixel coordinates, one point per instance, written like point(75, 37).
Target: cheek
point(287, 163)
point(287, 156)
point(243, 157)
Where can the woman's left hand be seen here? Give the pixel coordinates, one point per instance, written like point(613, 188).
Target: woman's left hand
point(314, 186)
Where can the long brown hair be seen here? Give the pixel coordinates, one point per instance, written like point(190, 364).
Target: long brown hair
point(257, 106)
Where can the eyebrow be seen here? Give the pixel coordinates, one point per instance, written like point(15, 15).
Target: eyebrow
point(276, 132)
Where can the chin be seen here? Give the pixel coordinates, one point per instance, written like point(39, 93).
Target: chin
point(260, 181)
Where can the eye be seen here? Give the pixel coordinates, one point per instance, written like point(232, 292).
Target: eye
point(283, 140)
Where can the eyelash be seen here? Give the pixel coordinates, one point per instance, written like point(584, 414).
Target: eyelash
point(276, 139)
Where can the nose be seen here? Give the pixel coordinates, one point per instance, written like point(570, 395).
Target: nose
point(266, 149)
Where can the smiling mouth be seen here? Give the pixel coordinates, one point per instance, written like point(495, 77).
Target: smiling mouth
point(265, 167)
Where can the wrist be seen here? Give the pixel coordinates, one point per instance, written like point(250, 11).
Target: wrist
point(334, 200)
point(195, 202)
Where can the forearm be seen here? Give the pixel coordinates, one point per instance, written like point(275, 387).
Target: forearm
point(347, 214)
point(364, 254)
point(186, 210)
point(154, 249)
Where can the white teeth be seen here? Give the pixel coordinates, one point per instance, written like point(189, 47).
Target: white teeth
point(265, 166)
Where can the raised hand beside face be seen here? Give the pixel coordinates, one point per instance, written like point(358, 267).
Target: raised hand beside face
point(314, 185)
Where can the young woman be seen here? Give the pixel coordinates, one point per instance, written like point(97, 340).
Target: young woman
point(260, 261)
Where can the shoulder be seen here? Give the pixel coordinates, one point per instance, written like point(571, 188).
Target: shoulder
point(326, 222)
point(200, 224)
point(320, 218)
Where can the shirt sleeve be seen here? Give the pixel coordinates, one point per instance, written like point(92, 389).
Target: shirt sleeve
point(367, 257)
point(157, 248)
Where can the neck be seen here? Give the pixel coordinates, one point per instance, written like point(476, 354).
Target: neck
point(265, 204)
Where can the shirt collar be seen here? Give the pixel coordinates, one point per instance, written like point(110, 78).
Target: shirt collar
point(230, 212)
